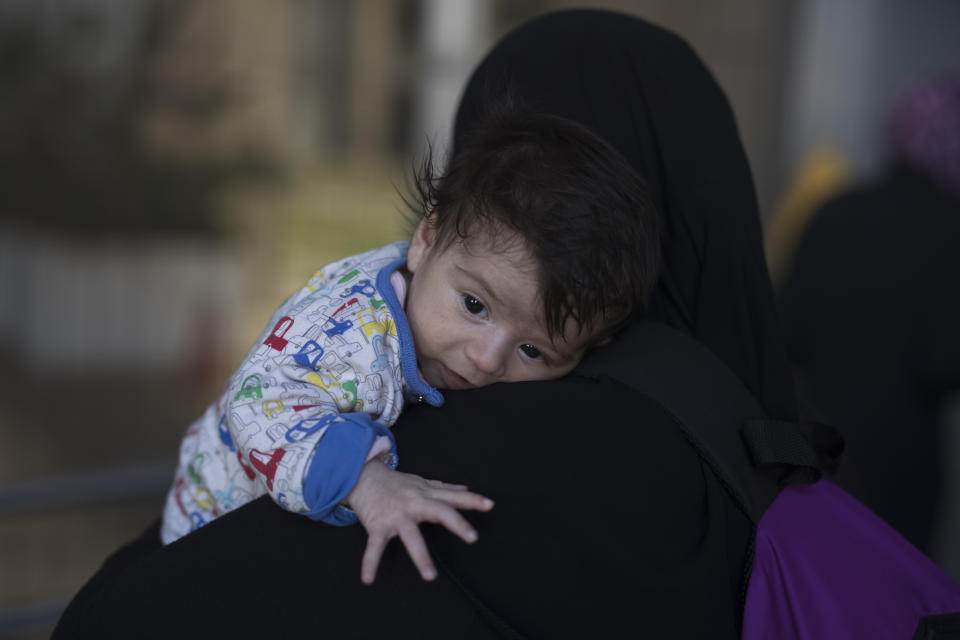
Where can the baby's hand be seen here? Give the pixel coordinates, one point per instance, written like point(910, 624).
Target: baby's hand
point(390, 503)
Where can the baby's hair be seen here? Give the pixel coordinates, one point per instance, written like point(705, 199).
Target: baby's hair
point(578, 205)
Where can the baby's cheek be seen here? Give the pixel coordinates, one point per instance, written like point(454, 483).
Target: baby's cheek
point(560, 371)
point(541, 373)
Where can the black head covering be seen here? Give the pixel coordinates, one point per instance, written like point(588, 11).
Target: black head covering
point(645, 90)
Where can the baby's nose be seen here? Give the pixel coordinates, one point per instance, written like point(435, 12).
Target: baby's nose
point(488, 357)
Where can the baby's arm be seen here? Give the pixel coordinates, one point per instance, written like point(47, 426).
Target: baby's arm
point(316, 392)
point(390, 503)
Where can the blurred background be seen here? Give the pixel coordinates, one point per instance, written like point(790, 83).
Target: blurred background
point(170, 170)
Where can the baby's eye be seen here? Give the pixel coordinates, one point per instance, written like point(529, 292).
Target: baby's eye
point(473, 306)
point(530, 351)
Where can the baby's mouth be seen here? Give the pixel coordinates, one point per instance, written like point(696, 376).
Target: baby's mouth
point(453, 380)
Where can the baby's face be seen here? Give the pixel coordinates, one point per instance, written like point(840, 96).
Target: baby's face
point(477, 318)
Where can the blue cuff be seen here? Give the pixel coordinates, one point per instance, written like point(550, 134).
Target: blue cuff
point(336, 465)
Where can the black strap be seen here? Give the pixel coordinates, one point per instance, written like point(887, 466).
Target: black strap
point(942, 627)
point(710, 402)
point(803, 450)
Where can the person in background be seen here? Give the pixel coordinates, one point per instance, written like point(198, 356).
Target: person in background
point(871, 312)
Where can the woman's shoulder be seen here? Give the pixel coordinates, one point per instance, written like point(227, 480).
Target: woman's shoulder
point(600, 497)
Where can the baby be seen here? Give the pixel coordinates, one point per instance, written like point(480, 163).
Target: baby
point(538, 243)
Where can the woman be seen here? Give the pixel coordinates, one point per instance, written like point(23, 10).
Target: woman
point(610, 520)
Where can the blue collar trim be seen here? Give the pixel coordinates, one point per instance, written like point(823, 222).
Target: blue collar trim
point(408, 355)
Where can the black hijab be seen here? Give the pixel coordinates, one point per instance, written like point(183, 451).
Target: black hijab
point(645, 90)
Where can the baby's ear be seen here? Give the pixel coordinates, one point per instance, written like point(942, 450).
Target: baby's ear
point(420, 244)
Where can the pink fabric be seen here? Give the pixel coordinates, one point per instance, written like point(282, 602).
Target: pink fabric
point(826, 567)
point(399, 284)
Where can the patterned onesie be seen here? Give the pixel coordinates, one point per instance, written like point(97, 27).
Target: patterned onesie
point(298, 419)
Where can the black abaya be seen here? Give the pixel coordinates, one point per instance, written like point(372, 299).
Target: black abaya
point(612, 531)
point(609, 522)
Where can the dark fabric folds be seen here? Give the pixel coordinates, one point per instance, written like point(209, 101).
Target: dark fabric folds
point(607, 525)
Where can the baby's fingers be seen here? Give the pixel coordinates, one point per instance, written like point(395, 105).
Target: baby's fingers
point(371, 558)
point(463, 499)
point(417, 548)
point(451, 519)
point(439, 484)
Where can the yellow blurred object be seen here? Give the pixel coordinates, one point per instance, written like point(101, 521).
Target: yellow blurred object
point(284, 234)
point(822, 175)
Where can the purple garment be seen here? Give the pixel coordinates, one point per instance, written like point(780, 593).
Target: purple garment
point(826, 567)
point(925, 129)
